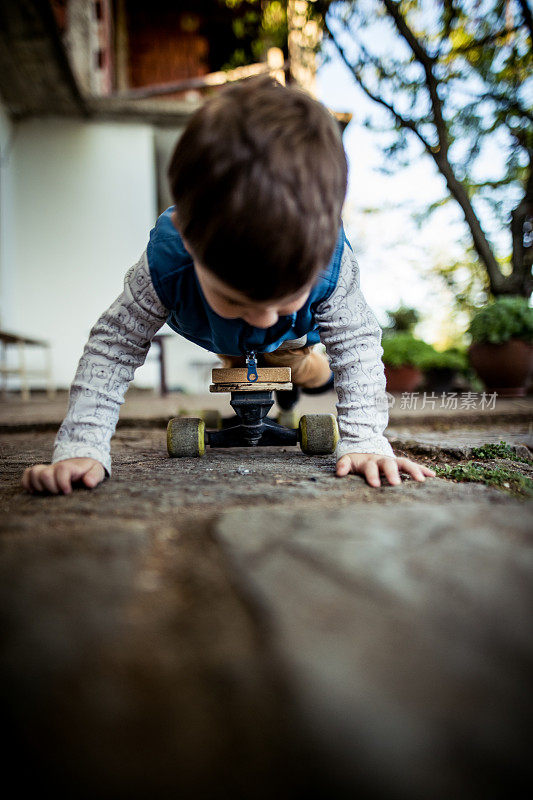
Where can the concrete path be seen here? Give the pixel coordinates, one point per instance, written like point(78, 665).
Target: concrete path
point(248, 625)
point(147, 409)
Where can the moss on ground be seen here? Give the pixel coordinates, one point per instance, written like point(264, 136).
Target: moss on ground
point(505, 479)
point(501, 450)
point(509, 477)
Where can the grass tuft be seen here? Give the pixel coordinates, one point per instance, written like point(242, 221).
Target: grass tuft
point(505, 478)
point(501, 450)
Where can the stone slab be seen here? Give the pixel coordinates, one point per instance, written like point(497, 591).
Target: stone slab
point(144, 477)
point(405, 633)
point(146, 409)
point(460, 441)
point(62, 588)
point(129, 654)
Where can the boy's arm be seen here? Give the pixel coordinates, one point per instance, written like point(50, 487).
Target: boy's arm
point(352, 336)
point(117, 345)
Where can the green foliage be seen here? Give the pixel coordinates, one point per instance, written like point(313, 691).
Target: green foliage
point(404, 349)
point(257, 26)
point(490, 451)
point(260, 24)
point(452, 358)
point(401, 347)
point(505, 318)
point(501, 478)
point(466, 280)
point(453, 80)
point(402, 320)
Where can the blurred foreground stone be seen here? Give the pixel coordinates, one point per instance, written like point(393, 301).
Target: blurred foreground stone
point(247, 625)
point(405, 636)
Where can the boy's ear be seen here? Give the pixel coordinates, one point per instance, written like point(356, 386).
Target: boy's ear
point(186, 243)
point(183, 239)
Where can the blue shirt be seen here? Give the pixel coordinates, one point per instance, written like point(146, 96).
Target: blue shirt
point(174, 278)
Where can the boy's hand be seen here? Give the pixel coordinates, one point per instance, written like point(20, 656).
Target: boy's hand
point(58, 478)
point(370, 465)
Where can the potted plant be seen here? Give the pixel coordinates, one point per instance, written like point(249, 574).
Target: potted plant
point(502, 345)
point(401, 320)
point(441, 367)
point(403, 355)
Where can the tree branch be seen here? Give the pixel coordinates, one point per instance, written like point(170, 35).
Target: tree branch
point(528, 17)
point(488, 39)
point(498, 282)
point(510, 105)
point(405, 122)
point(427, 63)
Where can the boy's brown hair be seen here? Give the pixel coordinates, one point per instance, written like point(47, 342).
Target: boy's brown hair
point(258, 179)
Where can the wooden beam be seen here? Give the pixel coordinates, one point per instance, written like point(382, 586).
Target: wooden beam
point(121, 47)
point(201, 82)
point(156, 112)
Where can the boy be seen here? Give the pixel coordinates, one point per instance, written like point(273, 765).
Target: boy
point(252, 257)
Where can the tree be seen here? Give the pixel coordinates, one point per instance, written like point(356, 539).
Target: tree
point(452, 76)
point(257, 25)
point(260, 24)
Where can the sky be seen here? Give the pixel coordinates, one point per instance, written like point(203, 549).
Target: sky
point(394, 253)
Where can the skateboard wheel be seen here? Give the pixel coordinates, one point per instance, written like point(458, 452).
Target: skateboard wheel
point(185, 437)
point(212, 418)
point(289, 419)
point(319, 434)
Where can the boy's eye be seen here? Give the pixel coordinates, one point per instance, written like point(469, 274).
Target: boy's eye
point(230, 302)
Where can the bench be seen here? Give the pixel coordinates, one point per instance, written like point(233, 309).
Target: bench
point(24, 374)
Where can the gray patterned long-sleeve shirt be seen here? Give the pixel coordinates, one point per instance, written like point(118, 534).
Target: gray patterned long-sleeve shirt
point(120, 340)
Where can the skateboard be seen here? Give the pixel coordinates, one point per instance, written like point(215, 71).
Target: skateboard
point(251, 390)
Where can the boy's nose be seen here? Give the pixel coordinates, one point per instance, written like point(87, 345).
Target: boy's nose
point(261, 319)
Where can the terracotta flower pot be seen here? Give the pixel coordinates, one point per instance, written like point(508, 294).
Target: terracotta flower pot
point(402, 379)
point(503, 368)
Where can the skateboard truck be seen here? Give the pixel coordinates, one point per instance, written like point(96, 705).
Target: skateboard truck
point(252, 398)
point(252, 426)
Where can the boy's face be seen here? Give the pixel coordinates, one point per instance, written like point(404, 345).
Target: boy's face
point(232, 304)
point(229, 303)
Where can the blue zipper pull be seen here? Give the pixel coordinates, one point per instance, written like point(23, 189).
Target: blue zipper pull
point(251, 363)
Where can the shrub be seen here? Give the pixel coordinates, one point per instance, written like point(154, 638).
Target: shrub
point(453, 358)
point(404, 349)
point(505, 318)
point(402, 320)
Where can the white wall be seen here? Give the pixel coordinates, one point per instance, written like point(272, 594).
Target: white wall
point(6, 192)
point(81, 206)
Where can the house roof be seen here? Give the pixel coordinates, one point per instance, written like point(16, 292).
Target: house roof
point(35, 74)
point(36, 77)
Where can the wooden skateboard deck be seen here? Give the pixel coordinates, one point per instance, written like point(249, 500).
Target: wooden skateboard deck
point(247, 386)
point(264, 375)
